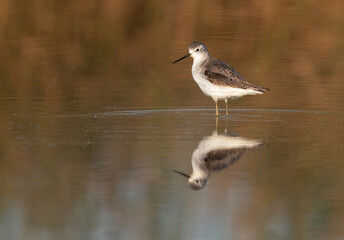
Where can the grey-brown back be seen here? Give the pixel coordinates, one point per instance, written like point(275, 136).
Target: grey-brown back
point(220, 73)
point(217, 160)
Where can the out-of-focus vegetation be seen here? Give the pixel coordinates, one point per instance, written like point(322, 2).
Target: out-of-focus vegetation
point(56, 51)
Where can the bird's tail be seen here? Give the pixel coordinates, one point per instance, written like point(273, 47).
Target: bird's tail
point(263, 89)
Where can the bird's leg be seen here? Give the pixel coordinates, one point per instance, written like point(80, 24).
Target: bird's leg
point(226, 101)
point(217, 111)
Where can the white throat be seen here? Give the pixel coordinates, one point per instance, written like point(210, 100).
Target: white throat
point(198, 58)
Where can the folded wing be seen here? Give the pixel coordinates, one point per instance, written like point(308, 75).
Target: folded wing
point(220, 73)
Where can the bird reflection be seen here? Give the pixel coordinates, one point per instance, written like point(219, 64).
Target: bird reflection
point(214, 153)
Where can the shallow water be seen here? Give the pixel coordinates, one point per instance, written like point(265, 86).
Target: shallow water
point(94, 118)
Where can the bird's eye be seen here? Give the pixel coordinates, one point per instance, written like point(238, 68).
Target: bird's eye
point(196, 181)
point(197, 49)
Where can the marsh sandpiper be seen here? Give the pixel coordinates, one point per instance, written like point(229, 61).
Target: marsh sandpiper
point(216, 78)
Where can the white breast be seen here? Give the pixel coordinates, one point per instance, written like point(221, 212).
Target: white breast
point(215, 91)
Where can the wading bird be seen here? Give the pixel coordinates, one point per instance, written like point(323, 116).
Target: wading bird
point(216, 78)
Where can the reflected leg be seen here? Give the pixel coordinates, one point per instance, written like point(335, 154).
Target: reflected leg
point(226, 101)
point(216, 124)
point(226, 126)
point(217, 111)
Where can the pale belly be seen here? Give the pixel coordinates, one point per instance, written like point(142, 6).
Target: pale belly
point(220, 92)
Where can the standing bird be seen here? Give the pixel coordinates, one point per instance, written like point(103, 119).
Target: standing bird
point(216, 78)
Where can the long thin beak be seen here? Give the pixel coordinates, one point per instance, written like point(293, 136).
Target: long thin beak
point(182, 58)
point(183, 174)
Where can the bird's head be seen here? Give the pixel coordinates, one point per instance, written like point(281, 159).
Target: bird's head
point(195, 182)
point(197, 51)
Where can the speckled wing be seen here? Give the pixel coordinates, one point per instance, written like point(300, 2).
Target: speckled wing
point(220, 73)
point(222, 158)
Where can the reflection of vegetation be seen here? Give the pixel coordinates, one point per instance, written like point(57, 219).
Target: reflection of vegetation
point(63, 58)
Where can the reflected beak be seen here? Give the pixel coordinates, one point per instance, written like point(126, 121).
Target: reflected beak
point(183, 174)
point(182, 58)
